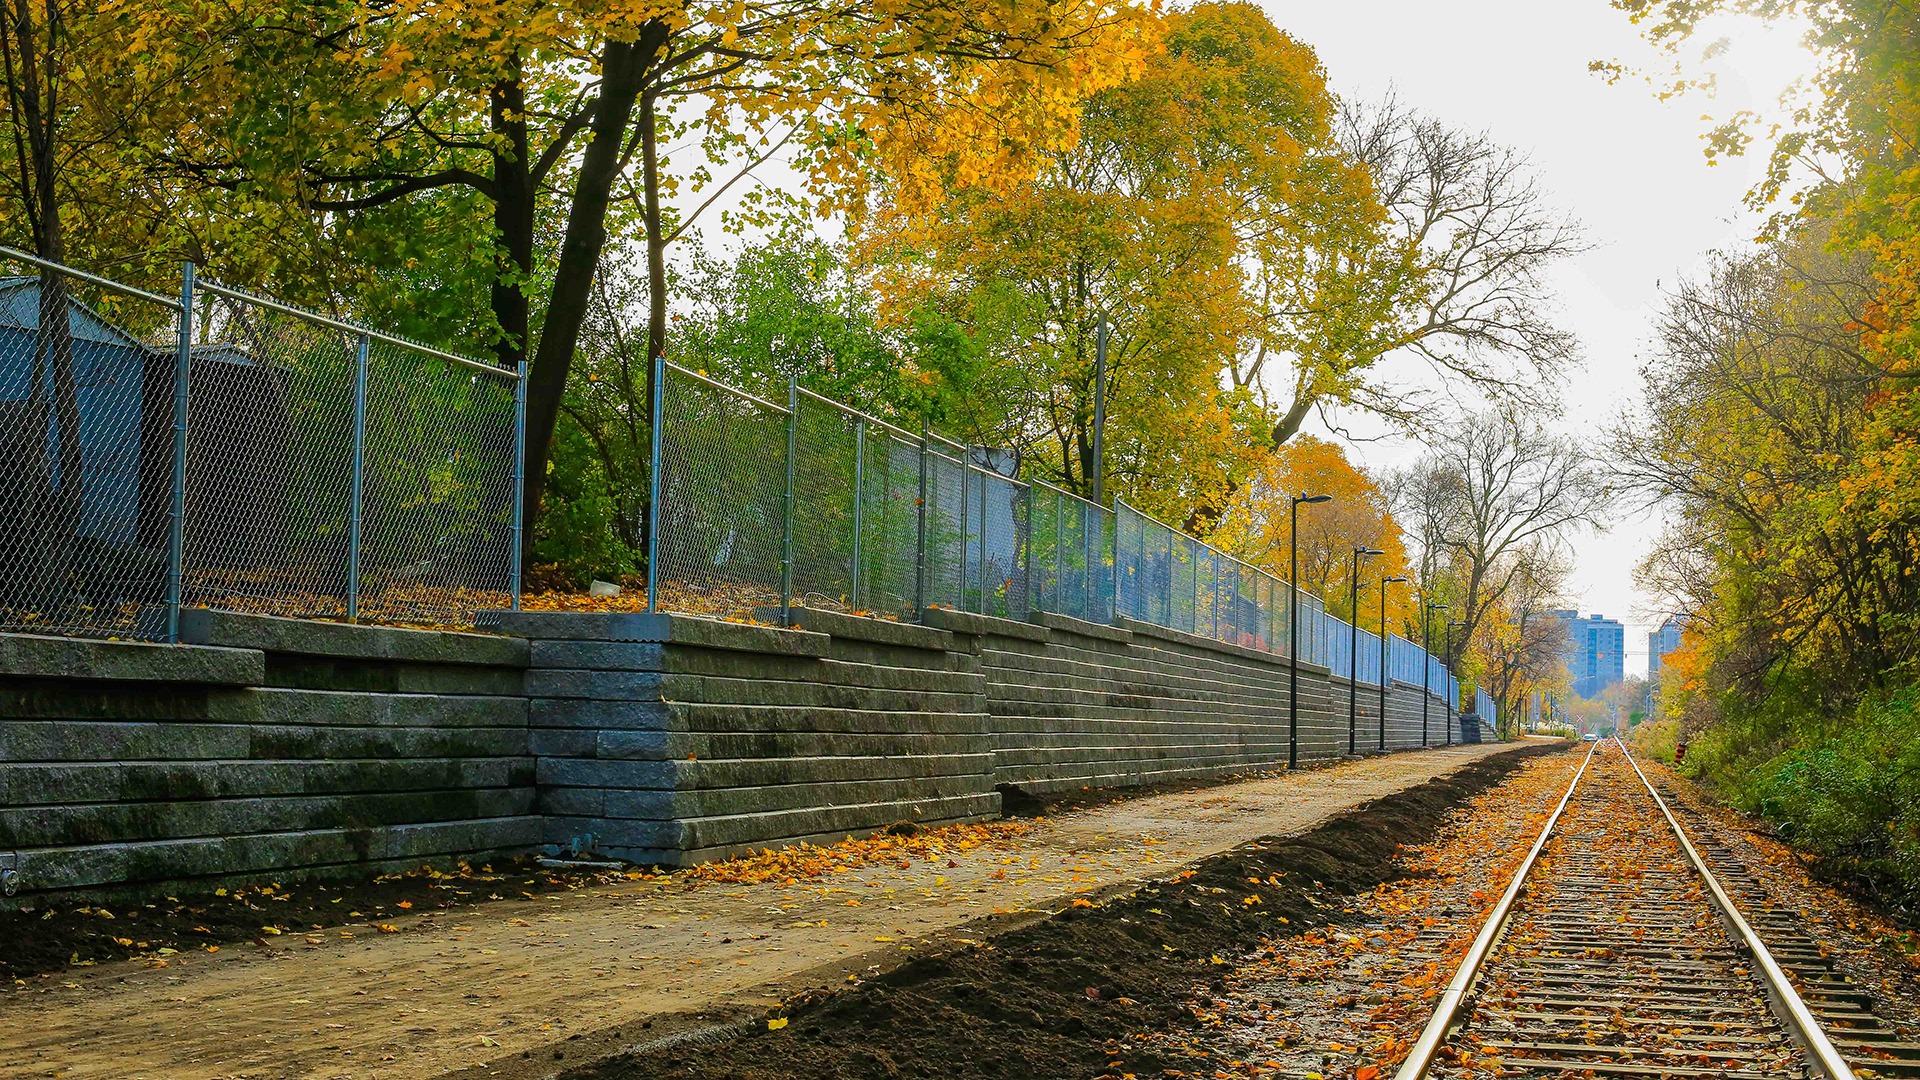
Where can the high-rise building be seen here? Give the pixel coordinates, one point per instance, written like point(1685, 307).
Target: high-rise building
point(1661, 642)
point(1596, 651)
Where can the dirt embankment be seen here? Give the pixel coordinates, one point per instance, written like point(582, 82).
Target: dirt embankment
point(1044, 1001)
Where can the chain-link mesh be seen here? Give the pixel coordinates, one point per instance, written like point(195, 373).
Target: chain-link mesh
point(1002, 581)
point(270, 436)
point(437, 490)
point(885, 523)
point(722, 512)
point(86, 429)
point(827, 456)
point(889, 511)
point(334, 473)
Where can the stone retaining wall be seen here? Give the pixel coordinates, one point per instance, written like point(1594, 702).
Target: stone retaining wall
point(1078, 704)
point(266, 746)
point(272, 746)
point(667, 739)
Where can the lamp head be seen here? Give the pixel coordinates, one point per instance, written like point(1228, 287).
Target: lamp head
point(1388, 581)
point(1368, 551)
point(1303, 497)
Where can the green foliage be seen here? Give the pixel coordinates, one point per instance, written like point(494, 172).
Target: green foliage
point(1848, 790)
point(788, 308)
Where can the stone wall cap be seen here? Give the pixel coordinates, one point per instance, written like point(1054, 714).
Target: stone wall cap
point(655, 627)
point(1085, 628)
point(318, 637)
point(966, 622)
point(868, 628)
point(33, 655)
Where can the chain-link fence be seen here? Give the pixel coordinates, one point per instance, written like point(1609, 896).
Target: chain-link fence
point(333, 471)
point(720, 499)
point(228, 451)
point(1170, 579)
point(87, 401)
point(762, 507)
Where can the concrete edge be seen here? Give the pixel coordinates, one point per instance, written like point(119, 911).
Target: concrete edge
point(655, 627)
point(1067, 624)
point(966, 622)
point(35, 656)
point(316, 637)
point(874, 630)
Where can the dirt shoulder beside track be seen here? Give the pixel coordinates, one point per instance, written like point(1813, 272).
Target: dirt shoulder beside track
point(530, 988)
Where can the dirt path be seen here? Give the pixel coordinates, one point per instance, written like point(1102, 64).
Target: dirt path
point(525, 989)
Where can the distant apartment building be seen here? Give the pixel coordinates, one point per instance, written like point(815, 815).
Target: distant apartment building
point(1596, 651)
point(1661, 642)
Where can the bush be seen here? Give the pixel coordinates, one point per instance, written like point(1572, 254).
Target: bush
point(1848, 791)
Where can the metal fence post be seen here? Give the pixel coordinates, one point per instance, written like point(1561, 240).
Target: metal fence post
point(359, 477)
point(515, 568)
point(1059, 548)
point(1113, 605)
point(966, 531)
point(787, 515)
point(981, 562)
point(658, 405)
point(177, 509)
point(1023, 541)
point(859, 501)
point(920, 535)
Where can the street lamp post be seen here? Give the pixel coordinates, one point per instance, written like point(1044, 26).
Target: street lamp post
point(1427, 608)
point(1353, 646)
point(1293, 624)
point(1385, 642)
point(1453, 705)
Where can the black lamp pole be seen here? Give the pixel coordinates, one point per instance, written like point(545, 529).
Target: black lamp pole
point(1293, 624)
point(1385, 647)
point(1427, 608)
point(1353, 646)
point(1453, 705)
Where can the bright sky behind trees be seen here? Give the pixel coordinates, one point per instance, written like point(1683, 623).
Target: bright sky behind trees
point(1628, 165)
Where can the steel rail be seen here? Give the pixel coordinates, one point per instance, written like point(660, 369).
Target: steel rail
point(1799, 1019)
point(1420, 1058)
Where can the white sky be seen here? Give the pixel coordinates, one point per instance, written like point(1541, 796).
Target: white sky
point(1627, 165)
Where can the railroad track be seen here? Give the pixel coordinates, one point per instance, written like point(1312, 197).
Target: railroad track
point(1622, 949)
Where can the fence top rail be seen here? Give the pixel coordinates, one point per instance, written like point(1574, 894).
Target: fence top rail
point(1064, 493)
point(971, 467)
point(895, 429)
point(928, 438)
point(354, 328)
point(718, 385)
point(92, 279)
point(1119, 502)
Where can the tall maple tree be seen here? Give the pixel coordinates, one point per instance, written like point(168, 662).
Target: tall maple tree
point(530, 137)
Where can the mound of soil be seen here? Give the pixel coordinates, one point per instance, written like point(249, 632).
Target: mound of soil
point(1042, 1001)
point(49, 934)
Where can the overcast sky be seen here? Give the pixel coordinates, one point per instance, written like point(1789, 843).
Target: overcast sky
point(1628, 166)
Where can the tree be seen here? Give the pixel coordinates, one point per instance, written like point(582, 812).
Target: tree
point(1219, 160)
point(533, 136)
point(1795, 542)
point(1255, 524)
point(1521, 647)
point(1486, 500)
point(1455, 277)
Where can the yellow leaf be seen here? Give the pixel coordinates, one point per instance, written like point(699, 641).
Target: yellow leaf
point(777, 1024)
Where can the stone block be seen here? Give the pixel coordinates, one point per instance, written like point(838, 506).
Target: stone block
point(32, 655)
point(316, 637)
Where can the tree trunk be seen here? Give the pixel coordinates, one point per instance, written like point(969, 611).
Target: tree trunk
point(35, 99)
point(513, 216)
point(624, 68)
